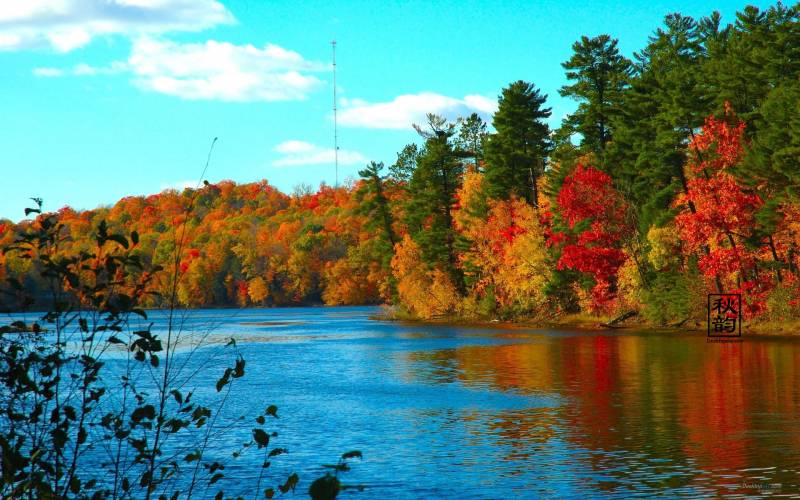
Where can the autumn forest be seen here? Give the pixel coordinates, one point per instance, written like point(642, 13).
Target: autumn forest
point(677, 176)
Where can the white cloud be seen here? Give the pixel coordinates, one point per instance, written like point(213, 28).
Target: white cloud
point(180, 185)
point(48, 72)
point(222, 71)
point(65, 25)
point(82, 69)
point(305, 153)
point(407, 109)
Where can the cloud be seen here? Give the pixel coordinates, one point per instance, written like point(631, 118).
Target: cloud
point(82, 69)
point(222, 71)
point(180, 185)
point(48, 72)
point(407, 109)
point(64, 25)
point(305, 153)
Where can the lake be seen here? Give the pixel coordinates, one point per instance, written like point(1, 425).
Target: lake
point(458, 412)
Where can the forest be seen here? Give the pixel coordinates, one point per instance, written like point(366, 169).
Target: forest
point(677, 176)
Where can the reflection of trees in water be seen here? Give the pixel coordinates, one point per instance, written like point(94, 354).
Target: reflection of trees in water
point(665, 410)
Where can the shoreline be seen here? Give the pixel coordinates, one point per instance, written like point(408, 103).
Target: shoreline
point(788, 329)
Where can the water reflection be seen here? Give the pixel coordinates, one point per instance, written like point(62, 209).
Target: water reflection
point(452, 412)
point(641, 411)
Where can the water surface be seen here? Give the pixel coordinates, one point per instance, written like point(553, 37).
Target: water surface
point(456, 412)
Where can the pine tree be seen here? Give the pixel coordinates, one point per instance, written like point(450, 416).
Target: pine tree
point(471, 134)
point(600, 75)
point(516, 154)
point(432, 189)
point(402, 169)
point(373, 201)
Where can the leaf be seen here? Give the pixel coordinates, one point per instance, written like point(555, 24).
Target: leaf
point(271, 410)
point(144, 412)
point(261, 438)
point(224, 380)
point(216, 477)
point(238, 370)
point(114, 340)
point(269, 493)
point(290, 483)
point(119, 239)
point(277, 451)
point(177, 395)
point(75, 485)
point(352, 454)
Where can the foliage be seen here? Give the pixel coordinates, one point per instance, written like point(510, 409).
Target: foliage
point(516, 154)
point(71, 427)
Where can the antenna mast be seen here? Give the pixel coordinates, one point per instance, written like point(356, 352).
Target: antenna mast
point(335, 118)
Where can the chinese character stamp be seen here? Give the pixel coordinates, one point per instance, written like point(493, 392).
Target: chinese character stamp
point(724, 315)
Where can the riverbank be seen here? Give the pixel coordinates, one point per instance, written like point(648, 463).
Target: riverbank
point(592, 323)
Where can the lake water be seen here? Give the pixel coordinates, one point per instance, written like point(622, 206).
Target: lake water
point(456, 412)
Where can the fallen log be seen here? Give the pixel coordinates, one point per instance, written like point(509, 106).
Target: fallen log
point(614, 323)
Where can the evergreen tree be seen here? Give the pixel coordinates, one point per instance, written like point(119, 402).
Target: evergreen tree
point(600, 74)
point(373, 201)
point(657, 118)
point(516, 154)
point(432, 189)
point(471, 134)
point(402, 169)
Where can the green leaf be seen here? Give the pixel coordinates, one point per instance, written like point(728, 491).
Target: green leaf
point(261, 438)
point(290, 483)
point(119, 239)
point(352, 454)
point(238, 370)
point(147, 411)
point(75, 485)
point(177, 395)
point(224, 380)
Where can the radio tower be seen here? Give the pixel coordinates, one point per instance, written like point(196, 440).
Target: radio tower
point(335, 121)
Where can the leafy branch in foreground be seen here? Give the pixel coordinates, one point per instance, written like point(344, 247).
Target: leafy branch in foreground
point(92, 403)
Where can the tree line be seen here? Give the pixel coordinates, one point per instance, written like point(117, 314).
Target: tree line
point(677, 175)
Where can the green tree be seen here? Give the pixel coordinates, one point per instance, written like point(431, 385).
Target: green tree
point(471, 134)
point(402, 169)
point(373, 202)
point(432, 189)
point(600, 74)
point(516, 154)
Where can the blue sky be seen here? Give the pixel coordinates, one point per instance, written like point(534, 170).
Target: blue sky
point(101, 99)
